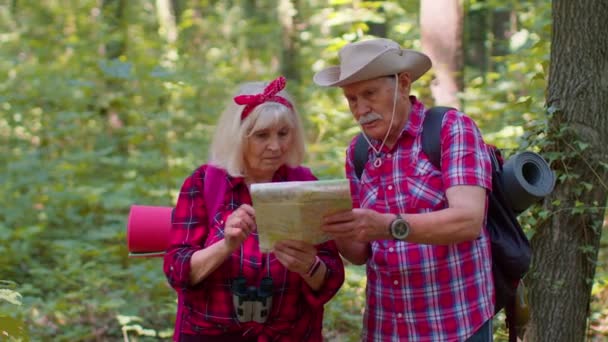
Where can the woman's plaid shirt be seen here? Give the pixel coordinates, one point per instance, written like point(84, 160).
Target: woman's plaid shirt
point(207, 308)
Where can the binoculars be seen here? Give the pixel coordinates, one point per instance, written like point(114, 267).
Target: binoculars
point(252, 303)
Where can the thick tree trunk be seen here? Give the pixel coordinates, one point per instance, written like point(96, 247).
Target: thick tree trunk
point(443, 43)
point(565, 247)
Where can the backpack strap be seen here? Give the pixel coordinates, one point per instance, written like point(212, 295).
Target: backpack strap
point(300, 173)
point(360, 154)
point(431, 133)
point(213, 192)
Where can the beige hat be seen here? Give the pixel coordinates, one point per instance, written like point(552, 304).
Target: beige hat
point(372, 58)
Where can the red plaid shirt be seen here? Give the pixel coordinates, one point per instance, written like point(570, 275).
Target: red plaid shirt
point(206, 308)
point(419, 292)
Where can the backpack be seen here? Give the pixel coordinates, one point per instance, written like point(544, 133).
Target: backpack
point(511, 251)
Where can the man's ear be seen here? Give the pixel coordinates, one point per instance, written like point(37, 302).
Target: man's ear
point(405, 83)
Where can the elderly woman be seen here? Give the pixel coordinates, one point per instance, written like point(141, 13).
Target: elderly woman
point(228, 290)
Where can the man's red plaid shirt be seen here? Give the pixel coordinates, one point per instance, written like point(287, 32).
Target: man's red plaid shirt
point(418, 292)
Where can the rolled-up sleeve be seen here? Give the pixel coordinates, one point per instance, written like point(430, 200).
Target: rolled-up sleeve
point(188, 231)
point(334, 278)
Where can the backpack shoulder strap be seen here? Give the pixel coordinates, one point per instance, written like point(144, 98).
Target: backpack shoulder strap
point(431, 133)
point(300, 173)
point(360, 154)
point(214, 189)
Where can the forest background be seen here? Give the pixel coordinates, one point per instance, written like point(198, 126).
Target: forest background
point(109, 103)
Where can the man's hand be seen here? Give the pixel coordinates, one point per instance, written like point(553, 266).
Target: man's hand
point(363, 225)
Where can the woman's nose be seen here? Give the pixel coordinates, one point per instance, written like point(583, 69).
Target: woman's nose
point(273, 143)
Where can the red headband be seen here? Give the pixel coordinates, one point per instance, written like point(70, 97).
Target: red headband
point(269, 94)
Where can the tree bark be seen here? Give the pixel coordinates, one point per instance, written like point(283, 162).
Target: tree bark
point(378, 29)
point(167, 19)
point(565, 247)
point(287, 17)
point(167, 13)
point(475, 50)
point(443, 44)
point(114, 16)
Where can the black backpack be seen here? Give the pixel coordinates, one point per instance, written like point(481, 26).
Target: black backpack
point(511, 251)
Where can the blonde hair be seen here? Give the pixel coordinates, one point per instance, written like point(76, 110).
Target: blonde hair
point(231, 134)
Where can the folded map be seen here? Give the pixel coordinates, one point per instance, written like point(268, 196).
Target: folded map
point(294, 210)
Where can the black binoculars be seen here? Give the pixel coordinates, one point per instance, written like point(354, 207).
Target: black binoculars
point(252, 303)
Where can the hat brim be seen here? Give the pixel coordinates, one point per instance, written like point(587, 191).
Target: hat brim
point(388, 63)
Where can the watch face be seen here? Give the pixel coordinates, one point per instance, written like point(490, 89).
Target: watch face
point(400, 229)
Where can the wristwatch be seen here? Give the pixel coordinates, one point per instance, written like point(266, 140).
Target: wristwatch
point(399, 228)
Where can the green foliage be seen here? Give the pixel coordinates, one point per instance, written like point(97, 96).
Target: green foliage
point(98, 112)
point(344, 317)
point(11, 319)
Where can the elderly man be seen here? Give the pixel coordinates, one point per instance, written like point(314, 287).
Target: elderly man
point(420, 230)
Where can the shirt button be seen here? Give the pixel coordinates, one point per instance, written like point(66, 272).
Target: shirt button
point(396, 282)
point(399, 315)
point(391, 249)
point(389, 155)
point(390, 187)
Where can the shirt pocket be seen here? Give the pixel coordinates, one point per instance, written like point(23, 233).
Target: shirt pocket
point(423, 187)
point(368, 190)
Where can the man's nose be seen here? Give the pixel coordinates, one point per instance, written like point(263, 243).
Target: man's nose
point(362, 108)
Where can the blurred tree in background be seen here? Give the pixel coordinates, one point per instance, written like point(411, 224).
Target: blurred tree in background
point(108, 103)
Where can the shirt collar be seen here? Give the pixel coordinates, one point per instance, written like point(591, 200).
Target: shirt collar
point(279, 176)
point(413, 126)
point(414, 121)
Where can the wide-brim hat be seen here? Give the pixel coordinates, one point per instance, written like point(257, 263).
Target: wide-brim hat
point(370, 59)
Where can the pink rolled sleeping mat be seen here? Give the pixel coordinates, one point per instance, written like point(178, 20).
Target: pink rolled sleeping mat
point(148, 230)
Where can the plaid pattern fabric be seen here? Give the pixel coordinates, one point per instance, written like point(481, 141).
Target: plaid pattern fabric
point(418, 292)
point(207, 308)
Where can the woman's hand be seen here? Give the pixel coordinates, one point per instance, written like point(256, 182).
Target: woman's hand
point(296, 256)
point(238, 226)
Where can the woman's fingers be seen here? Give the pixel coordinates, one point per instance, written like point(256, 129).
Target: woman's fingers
point(296, 256)
point(239, 225)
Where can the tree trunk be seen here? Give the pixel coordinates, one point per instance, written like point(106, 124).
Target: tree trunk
point(114, 16)
point(565, 246)
point(167, 14)
point(378, 29)
point(443, 43)
point(287, 17)
point(502, 29)
point(475, 50)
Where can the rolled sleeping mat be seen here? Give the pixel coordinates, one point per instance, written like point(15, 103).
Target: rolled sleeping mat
point(526, 178)
point(148, 230)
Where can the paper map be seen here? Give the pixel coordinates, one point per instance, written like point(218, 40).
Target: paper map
point(294, 210)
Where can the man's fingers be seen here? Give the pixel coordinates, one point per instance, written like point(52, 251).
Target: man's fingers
point(342, 216)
